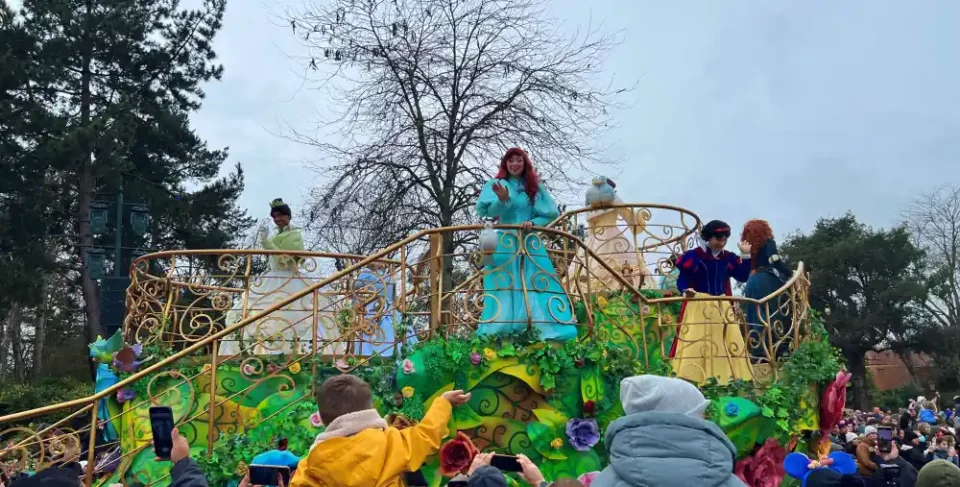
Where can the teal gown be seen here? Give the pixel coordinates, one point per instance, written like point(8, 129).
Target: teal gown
point(504, 308)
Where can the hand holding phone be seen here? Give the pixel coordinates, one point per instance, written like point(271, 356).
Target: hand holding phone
point(506, 463)
point(161, 425)
point(268, 475)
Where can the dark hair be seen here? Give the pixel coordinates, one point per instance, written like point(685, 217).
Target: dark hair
point(342, 394)
point(282, 209)
point(51, 477)
point(715, 228)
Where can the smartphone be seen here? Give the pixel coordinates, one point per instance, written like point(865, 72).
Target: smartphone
point(506, 463)
point(161, 423)
point(885, 436)
point(268, 474)
point(415, 479)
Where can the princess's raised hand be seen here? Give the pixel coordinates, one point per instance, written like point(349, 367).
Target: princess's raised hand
point(745, 247)
point(501, 191)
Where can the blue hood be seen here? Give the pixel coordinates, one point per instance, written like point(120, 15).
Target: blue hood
point(654, 449)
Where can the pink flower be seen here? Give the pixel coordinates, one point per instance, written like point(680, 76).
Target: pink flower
point(645, 310)
point(476, 358)
point(587, 478)
point(764, 468)
point(248, 369)
point(408, 367)
point(315, 419)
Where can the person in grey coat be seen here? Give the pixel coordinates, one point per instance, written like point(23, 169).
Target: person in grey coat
point(663, 440)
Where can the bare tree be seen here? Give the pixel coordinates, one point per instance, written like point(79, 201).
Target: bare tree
point(428, 94)
point(934, 220)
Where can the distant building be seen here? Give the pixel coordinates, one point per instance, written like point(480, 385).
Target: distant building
point(889, 371)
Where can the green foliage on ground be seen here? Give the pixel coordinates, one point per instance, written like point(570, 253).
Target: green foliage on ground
point(15, 397)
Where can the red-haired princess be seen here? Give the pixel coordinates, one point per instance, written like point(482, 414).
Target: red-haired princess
point(769, 323)
point(519, 276)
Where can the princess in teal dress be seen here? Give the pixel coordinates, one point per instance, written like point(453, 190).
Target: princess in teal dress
point(516, 197)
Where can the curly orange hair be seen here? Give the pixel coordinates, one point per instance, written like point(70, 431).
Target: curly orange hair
point(756, 232)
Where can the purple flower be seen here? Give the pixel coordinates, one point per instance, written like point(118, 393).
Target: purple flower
point(476, 358)
point(124, 395)
point(583, 433)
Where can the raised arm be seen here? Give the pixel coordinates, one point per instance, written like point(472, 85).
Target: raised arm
point(489, 204)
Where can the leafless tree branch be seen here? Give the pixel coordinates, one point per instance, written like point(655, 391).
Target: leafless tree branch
point(428, 93)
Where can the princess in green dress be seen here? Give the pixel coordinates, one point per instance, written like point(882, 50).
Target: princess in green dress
point(521, 267)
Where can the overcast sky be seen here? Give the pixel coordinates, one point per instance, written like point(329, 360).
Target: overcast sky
point(785, 110)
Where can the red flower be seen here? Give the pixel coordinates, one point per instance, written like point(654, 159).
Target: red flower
point(764, 468)
point(456, 455)
point(589, 407)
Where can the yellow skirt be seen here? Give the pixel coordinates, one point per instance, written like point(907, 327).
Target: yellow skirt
point(710, 343)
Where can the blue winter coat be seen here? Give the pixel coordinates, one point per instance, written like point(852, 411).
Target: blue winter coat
point(657, 449)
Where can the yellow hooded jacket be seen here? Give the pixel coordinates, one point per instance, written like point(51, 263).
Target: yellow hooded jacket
point(374, 457)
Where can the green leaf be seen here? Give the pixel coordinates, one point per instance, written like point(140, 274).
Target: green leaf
point(767, 412)
point(547, 380)
point(541, 436)
point(507, 350)
point(551, 418)
point(465, 418)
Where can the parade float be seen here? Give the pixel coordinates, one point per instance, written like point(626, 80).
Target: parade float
point(210, 334)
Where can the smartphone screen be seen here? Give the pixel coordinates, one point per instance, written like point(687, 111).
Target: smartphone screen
point(268, 474)
point(885, 434)
point(506, 463)
point(161, 423)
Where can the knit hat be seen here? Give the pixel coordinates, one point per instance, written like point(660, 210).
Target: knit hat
point(850, 437)
point(869, 430)
point(487, 476)
point(938, 473)
point(644, 393)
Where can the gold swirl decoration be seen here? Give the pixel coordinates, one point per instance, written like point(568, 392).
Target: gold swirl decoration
point(198, 300)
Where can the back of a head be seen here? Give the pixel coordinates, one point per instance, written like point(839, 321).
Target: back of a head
point(939, 473)
point(343, 394)
point(647, 393)
point(487, 476)
point(51, 477)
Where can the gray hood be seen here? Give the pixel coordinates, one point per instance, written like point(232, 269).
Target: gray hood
point(658, 449)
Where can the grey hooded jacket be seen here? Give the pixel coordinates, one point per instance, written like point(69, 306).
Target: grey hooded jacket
point(662, 449)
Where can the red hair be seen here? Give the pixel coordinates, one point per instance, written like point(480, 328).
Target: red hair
point(531, 182)
point(756, 232)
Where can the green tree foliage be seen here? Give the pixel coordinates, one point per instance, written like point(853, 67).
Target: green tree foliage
point(866, 283)
point(95, 98)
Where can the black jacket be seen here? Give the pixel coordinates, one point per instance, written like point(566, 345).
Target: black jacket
point(186, 473)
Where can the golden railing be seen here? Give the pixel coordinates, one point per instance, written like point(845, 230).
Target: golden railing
point(219, 307)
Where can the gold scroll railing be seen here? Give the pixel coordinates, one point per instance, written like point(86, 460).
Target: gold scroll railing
point(216, 308)
point(639, 240)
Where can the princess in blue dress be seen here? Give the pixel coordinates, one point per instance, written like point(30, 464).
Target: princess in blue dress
point(520, 266)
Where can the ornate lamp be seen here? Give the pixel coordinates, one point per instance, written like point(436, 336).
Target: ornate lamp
point(98, 217)
point(139, 220)
point(95, 263)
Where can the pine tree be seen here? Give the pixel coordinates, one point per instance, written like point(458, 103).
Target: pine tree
point(121, 78)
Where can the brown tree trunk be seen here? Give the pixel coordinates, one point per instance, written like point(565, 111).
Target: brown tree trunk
point(4, 346)
point(858, 369)
point(40, 332)
point(85, 191)
point(14, 324)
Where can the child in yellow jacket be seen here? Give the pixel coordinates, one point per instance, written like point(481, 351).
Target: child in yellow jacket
point(358, 449)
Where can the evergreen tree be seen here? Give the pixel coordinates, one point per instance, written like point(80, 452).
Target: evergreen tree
point(118, 81)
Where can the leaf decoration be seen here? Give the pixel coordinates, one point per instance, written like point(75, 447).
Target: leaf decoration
point(541, 435)
point(529, 375)
point(465, 418)
point(591, 384)
point(551, 418)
